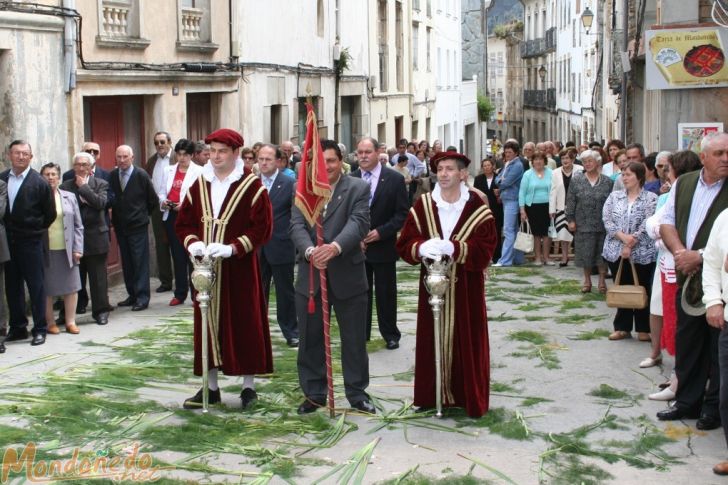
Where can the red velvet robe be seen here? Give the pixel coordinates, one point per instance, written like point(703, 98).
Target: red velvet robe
point(465, 348)
point(239, 337)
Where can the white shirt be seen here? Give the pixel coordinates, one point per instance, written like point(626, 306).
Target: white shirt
point(715, 277)
point(158, 179)
point(269, 181)
point(449, 213)
point(219, 188)
point(14, 183)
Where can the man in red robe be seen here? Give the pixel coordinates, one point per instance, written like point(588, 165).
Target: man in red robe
point(452, 221)
point(227, 214)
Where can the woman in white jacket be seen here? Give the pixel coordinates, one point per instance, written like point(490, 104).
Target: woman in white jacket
point(560, 180)
point(177, 180)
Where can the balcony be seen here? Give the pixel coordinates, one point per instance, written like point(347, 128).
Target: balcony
point(541, 46)
point(539, 98)
point(119, 25)
point(193, 28)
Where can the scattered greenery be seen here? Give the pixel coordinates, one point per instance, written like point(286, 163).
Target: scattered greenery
point(597, 334)
point(531, 336)
point(485, 108)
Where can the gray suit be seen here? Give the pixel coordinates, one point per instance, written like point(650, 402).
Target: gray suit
point(346, 221)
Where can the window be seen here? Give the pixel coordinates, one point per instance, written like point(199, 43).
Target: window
point(194, 28)
point(416, 5)
point(320, 18)
point(119, 24)
point(399, 45)
point(415, 46)
point(439, 67)
point(500, 63)
point(383, 57)
point(429, 63)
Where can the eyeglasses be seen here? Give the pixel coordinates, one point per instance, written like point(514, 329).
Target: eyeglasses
point(251, 158)
point(160, 142)
point(92, 151)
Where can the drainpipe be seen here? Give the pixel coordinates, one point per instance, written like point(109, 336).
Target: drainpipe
point(69, 44)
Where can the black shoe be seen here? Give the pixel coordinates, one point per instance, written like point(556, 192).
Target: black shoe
point(310, 405)
point(138, 308)
point(392, 344)
point(102, 318)
point(81, 309)
point(673, 413)
point(38, 339)
point(195, 402)
point(16, 334)
point(2, 348)
point(364, 406)
point(563, 265)
point(706, 423)
point(128, 302)
point(163, 288)
point(248, 396)
point(292, 342)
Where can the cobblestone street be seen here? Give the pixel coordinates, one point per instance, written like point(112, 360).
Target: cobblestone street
point(567, 405)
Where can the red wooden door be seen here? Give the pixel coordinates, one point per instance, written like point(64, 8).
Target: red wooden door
point(109, 116)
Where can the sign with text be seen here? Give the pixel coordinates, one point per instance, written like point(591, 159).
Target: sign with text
point(686, 58)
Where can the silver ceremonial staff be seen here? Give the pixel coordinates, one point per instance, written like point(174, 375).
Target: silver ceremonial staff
point(203, 277)
point(437, 282)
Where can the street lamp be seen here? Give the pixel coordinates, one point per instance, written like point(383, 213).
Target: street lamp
point(587, 18)
point(542, 73)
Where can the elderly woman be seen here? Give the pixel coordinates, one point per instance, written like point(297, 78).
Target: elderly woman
point(485, 182)
point(65, 245)
point(584, 202)
point(663, 314)
point(533, 200)
point(625, 214)
point(560, 182)
point(177, 180)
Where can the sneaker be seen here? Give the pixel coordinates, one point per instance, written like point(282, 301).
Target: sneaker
point(499, 265)
point(195, 402)
point(549, 263)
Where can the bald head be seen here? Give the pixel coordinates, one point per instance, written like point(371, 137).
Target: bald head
point(124, 157)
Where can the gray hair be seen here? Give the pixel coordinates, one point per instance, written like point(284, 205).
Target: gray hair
point(709, 138)
point(663, 154)
point(91, 160)
point(593, 154)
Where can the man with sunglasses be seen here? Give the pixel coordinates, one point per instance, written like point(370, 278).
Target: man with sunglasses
point(155, 166)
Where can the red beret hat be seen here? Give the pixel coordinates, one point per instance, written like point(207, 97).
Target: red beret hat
point(226, 136)
point(447, 155)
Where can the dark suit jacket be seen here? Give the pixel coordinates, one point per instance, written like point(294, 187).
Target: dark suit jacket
point(388, 212)
point(132, 207)
point(99, 173)
point(481, 183)
point(34, 209)
point(4, 250)
point(280, 248)
point(152, 162)
point(92, 202)
point(346, 221)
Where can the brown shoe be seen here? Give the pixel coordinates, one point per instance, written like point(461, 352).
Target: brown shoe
point(72, 328)
point(643, 336)
point(721, 468)
point(619, 335)
point(53, 329)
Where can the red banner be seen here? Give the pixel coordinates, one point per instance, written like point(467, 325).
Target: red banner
point(313, 189)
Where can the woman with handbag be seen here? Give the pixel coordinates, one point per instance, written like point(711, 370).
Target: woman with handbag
point(560, 182)
point(587, 193)
point(625, 214)
point(533, 200)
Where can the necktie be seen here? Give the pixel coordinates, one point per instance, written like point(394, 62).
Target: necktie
point(124, 179)
point(267, 182)
point(368, 179)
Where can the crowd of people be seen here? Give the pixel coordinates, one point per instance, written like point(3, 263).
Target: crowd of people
point(625, 212)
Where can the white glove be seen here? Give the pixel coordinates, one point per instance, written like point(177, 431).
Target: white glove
point(217, 250)
point(196, 249)
point(446, 247)
point(430, 249)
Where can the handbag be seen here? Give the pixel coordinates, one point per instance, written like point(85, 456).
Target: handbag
point(553, 234)
point(633, 297)
point(524, 239)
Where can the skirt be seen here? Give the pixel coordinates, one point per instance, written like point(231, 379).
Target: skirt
point(59, 279)
point(538, 218)
point(588, 248)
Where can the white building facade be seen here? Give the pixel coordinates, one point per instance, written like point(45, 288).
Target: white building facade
point(448, 41)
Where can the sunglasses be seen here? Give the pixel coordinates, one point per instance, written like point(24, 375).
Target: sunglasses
point(92, 151)
point(160, 142)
